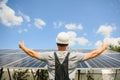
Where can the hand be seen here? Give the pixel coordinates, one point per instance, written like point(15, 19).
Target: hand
point(21, 44)
point(104, 46)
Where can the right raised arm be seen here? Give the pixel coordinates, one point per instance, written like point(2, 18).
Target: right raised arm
point(97, 52)
point(30, 52)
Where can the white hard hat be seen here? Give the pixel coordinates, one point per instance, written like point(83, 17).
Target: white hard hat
point(62, 38)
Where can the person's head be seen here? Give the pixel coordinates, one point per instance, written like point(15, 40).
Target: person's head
point(62, 40)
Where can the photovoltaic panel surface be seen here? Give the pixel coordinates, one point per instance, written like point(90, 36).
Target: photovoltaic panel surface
point(17, 58)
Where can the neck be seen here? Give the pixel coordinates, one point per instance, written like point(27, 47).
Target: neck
point(61, 48)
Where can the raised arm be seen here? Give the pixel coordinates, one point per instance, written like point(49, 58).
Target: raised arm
point(30, 52)
point(97, 52)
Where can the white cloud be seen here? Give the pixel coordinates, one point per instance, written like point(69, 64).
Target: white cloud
point(26, 17)
point(3, 1)
point(7, 15)
point(112, 41)
point(108, 41)
point(72, 36)
point(106, 30)
point(39, 23)
point(73, 26)
point(98, 44)
point(82, 40)
point(58, 24)
point(21, 31)
point(76, 40)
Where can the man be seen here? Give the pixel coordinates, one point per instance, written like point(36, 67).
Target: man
point(62, 63)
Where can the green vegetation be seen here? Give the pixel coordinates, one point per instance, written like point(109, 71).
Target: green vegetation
point(115, 48)
point(21, 75)
point(41, 75)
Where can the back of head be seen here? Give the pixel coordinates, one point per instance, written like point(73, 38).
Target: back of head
point(62, 38)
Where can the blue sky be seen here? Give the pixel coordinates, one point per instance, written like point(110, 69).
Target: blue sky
point(37, 22)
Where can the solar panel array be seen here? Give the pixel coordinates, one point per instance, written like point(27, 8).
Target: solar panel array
point(17, 58)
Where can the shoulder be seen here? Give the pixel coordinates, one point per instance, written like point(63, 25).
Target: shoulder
point(46, 55)
point(77, 55)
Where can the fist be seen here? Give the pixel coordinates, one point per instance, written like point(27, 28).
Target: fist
point(104, 45)
point(21, 44)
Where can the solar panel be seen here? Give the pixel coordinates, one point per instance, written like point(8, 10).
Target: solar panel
point(13, 63)
point(17, 58)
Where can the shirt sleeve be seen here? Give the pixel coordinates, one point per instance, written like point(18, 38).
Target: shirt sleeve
point(81, 56)
point(43, 56)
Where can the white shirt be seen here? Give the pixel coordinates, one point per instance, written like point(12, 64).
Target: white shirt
point(74, 59)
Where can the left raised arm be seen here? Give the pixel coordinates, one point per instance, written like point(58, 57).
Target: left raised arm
point(97, 52)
